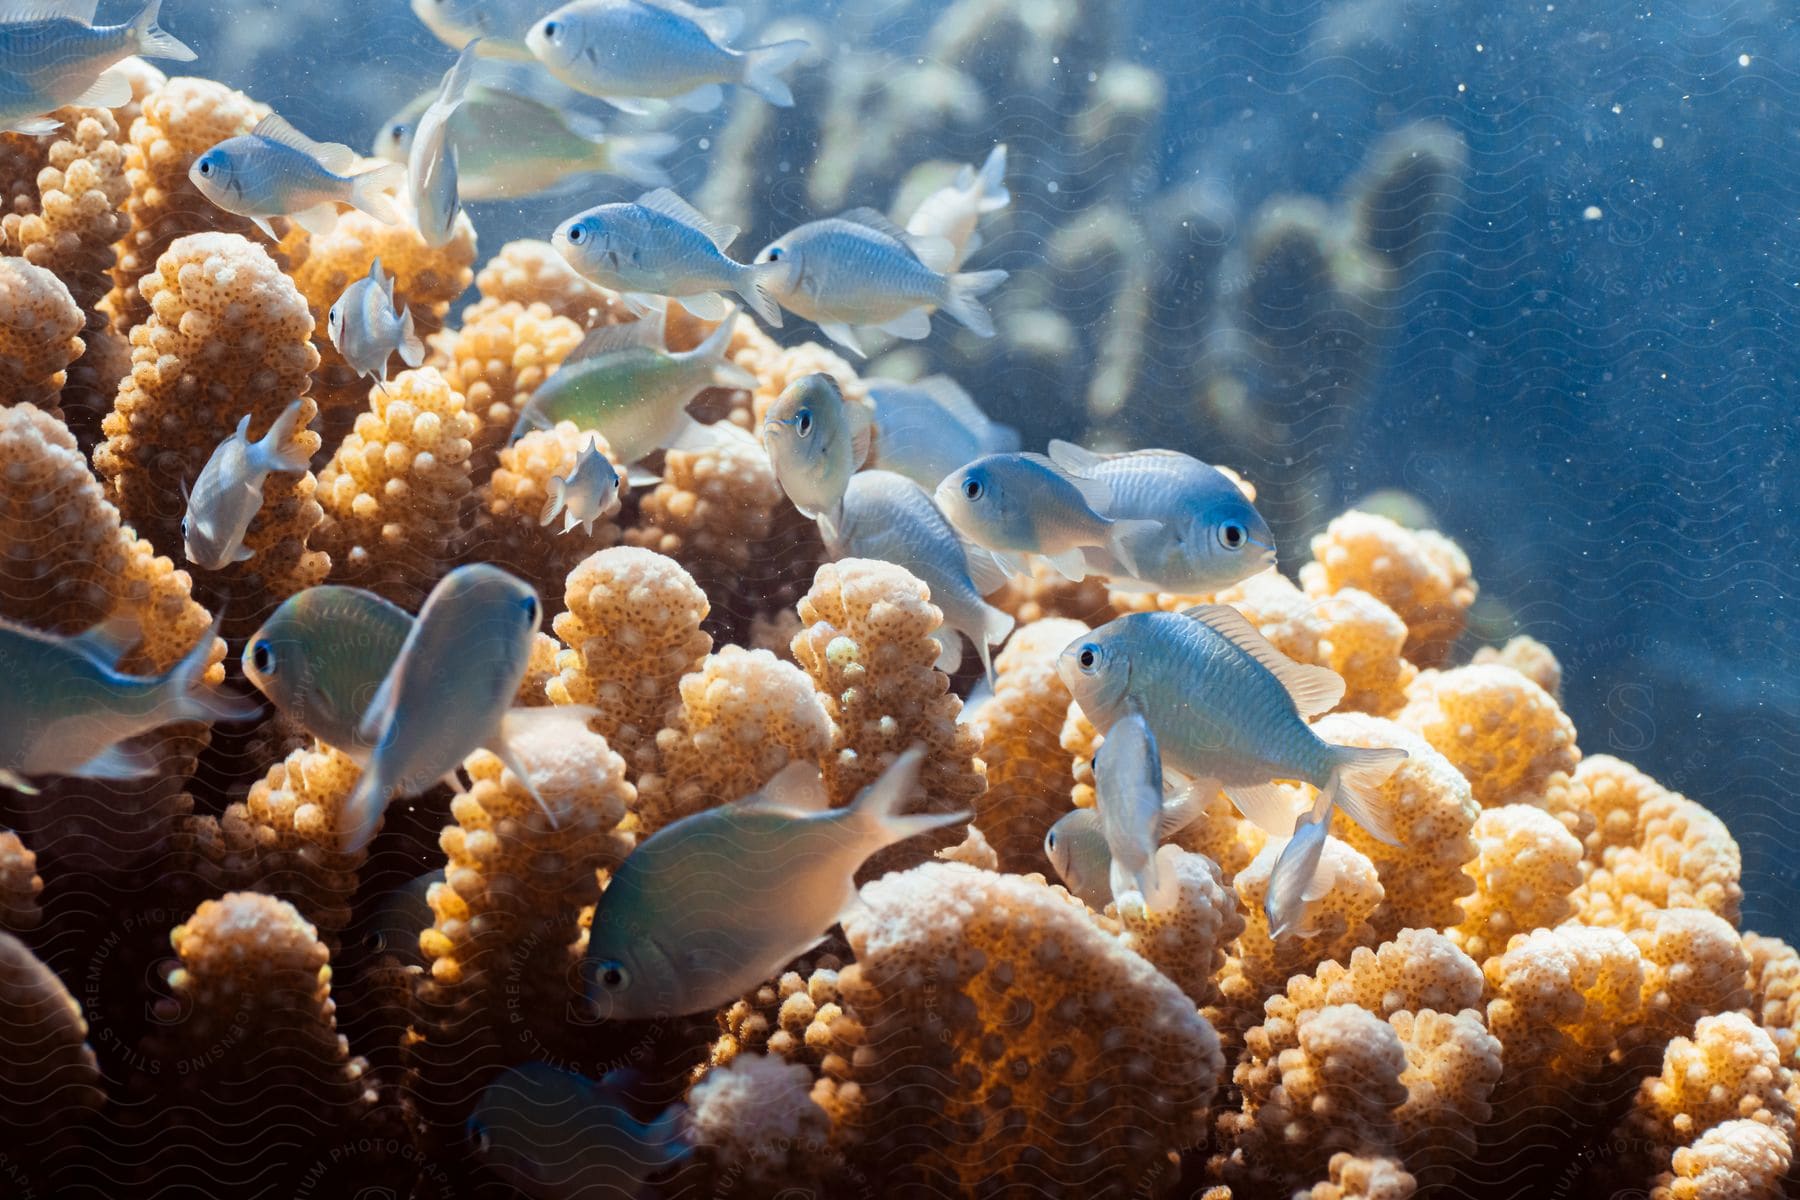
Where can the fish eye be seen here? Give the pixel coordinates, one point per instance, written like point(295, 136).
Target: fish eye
point(530, 605)
point(612, 975)
point(577, 235)
point(803, 422)
point(399, 132)
point(184, 527)
point(262, 657)
point(1232, 535)
point(774, 253)
point(1089, 658)
point(1050, 841)
point(333, 314)
point(552, 29)
point(972, 488)
point(206, 167)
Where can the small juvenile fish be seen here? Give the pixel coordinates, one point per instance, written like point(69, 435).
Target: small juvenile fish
point(716, 903)
point(1016, 504)
point(1076, 846)
point(52, 55)
point(889, 517)
point(277, 171)
point(320, 658)
point(511, 145)
point(431, 163)
point(70, 710)
point(589, 492)
point(627, 52)
point(952, 212)
point(500, 24)
point(555, 1135)
point(366, 328)
point(229, 492)
point(1128, 795)
point(816, 442)
point(860, 270)
point(1211, 536)
point(926, 430)
point(621, 383)
point(662, 246)
point(1228, 709)
point(448, 694)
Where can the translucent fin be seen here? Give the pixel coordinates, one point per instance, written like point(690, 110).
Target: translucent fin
point(280, 449)
point(268, 230)
point(708, 306)
point(796, 788)
point(877, 220)
point(632, 105)
point(986, 571)
point(719, 24)
point(118, 762)
point(763, 68)
point(318, 219)
point(1011, 563)
point(1298, 863)
point(694, 437)
point(559, 496)
point(843, 335)
point(1315, 689)
point(17, 782)
point(876, 809)
point(1122, 533)
point(862, 433)
point(1265, 806)
point(997, 626)
point(369, 192)
point(964, 304)
point(152, 40)
point(1076, 460)
point(950, 651)
point(992, 194)
point(109, 91)
point(110, 639)
point(35, 126)
point(638, 477)
point(638, 158)
point(911, 325)
point(1070, 564)
point(333, 156)
point(934, 253)
point(1095, 493)
point(704, 98)
point(754, 286)
point(1355, 783)
point(670, 205)
point(647, 332)
point(412, 349)
point(502, 749)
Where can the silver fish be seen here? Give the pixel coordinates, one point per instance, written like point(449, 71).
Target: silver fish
point(431, 163)
point(952, 212)
point(1076, 847)
point(628, 52)
point(716, 903)
point(660, 245)
point(277, 171)
point(448, 693)
point(52, 55)
point(554, 1135)
point(1211, 536)
point(816, 442)
point(621, 383)
point(889, 517)
point(229, 492)
point(512, 144)
point(500, 24)
point(1018, 504)
point(70, 710)
point(589, 492)
point(1230, 710)
point(322, 656)
point(1128, 795)
point(366, 328)
point(862, 270)
point(926, 430)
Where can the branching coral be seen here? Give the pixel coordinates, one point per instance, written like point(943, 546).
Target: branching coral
point(632, 630)
point(39, 334)
point(394, 488)
point(1420, 574)
point(867, 646)
point(757, 1128)
point(1104, 1064)
point(1734, 1160)
point(509, 506)
point(1774, 982)
point(533, 273)
point(497, 360)
point(1502, 731)
point(1355, 1177)
point(1694, 965)
point(1675, 855)
point(19, 885)
point(1186, 938)
point(1337, 922)
point(1524, 869)
point(1020, 730)
point(1530, 658)
point(1347, 630)
point(744, 714)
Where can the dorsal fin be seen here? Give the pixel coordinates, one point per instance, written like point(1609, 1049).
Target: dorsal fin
point(18, 12)
point(1097, 493)
point(109, 638)
point(1314, 689)
point(384, 282)
point(933, 253)
point(719, 24)
point(333, 156)
point(644, 333)
point(666, 202)
point(1078, 460)
point(796, 788)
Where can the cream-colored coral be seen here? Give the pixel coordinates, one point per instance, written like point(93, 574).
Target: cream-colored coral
point(498, 359)
point(1734, 1160)
point(1338, 921)
point(1452, 1065)
point(1020, 729)
point(534, 689)
point(19, 885)
point(1730, 1069)
point(48, 1075)
point(799, 1017)
point(776, 366)
point(1420, 574)
point(1502, 731)
point(744, 715)
point(1530, 658)
point(755, 1125)
point(1615, 793)
point(1694, 966)
point(532, 273)
point(1774, 983)
point(497, 981)
point(867, 646)
point(40, 324)
point(632, 630)
point(1431, 811)
point(182, 119)
point(1356, 1177)
point(1684, 857)
point(1525, 867)
point(394, 487)
point(712, 511)
point(947, 958)
point(1349, 631)
point(509, 506)
point(1045, 593)
point(226, 337)
point(1186, 937)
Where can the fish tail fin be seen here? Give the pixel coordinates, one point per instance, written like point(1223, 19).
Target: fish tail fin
point(370, 192)
point(753, 284)
point(412, 349)
point(1146, 884)
point(362, 812)
point(763, 69)
point(1294, 872)
point(559, 496)
point(991, 194)
point(1356, 777)
point(963, 301)
point(152, 41)
point(639, 159)
point(996, 627)
point(1122, 533)
point(453, 89)
point(191, 698)
point(876, 809)
point(284, 449)
point(666, 1137)
point(503, 750)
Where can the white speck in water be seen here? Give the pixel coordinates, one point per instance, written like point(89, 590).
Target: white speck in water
point(1053, 187)
point(1617, 110)
point(706, 143)
point(1656, 143)
point(1093, 77)
point(1743, 60)
point(784, 167)
point(1056, 59)
point(1462, 87)
point(1480, 49)
point(1591, 213)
